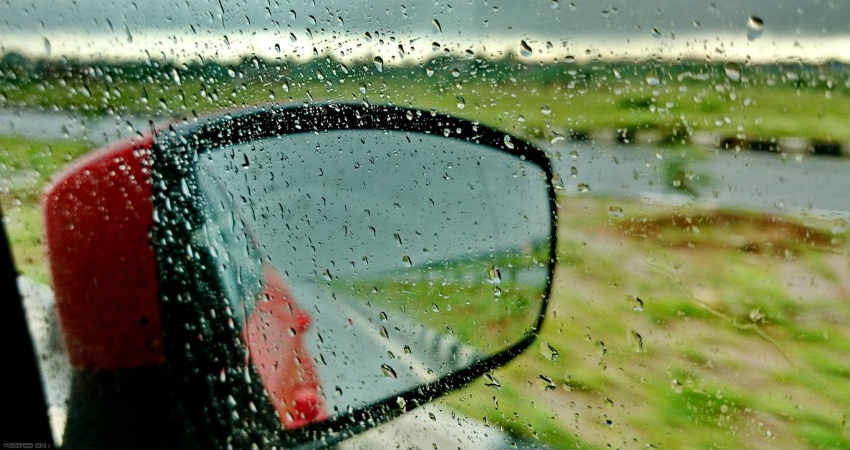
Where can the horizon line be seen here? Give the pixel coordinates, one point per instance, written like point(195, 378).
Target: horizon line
point(414, 49)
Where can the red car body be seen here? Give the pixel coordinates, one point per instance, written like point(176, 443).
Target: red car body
point(98, 214)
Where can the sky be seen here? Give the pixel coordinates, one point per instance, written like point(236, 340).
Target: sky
point(665, 29)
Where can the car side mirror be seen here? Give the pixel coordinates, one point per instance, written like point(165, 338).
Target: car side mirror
point(322, 269)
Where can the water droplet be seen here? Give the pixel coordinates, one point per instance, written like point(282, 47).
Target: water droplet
point(397, 237)
point(554, 354)
point(492, 381)
point(637, 303)
point(455, 72)
point(656, 33)
point(545, 110)
point(583, 187)
point(637, 341)
point(732, 72)
point(363, 89)
point(494, 275)
point(382, 315)
point(547, 382)
point(384, 333)
point(388, 371)
point(379, 63)
point(435, 308)
point(461, 103)
point(615, 211)
point(437, 25)
point(525, 49)
point(508, 143)
point(573, 171)
point(755, 27)
point(407, 261)
point(652, 81)
point(429, 72)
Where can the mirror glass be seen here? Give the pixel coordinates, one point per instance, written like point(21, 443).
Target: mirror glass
point(369, 262)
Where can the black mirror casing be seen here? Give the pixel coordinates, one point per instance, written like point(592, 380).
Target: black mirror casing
point(222, 394)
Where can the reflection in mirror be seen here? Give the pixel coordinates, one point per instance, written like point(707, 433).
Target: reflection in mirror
point(369, 262)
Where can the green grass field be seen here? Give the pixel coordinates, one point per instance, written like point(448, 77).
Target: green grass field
point(683, 328)
point(534, 101)
point(27, 165)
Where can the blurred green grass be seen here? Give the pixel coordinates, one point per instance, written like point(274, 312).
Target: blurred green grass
point(740, 346)
point(535, 101)
point(26, 165)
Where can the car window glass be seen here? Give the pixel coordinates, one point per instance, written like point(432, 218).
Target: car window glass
point(700, 156)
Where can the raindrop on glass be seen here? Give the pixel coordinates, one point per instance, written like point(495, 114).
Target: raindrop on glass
point(732, 72)
point(524, 49)
point(388, 371)
point(637, 341)
point(637, 303)
point(755, 27)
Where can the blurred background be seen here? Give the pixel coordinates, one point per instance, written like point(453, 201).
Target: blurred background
point(701, 151)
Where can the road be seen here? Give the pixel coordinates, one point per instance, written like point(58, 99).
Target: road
point(760, 181)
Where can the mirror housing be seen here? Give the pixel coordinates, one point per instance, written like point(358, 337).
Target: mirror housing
point(143, 248)
point(178, 214)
